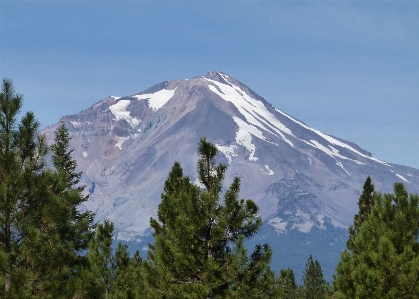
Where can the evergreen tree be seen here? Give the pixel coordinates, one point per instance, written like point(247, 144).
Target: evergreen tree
point(314, 284)
point(73, 226)
point(43, 236)
point(255, 280)
point(128, 276)
point(365, 204)
point(101, 260)
point(56, 244)
point(287, 284)
point(385, 263)
point(110, 275)
point(198, 250)
point(24, 188)
point(136, 282)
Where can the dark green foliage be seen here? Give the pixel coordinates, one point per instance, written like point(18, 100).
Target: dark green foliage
point(59, 236)
point(70, 229)
point(286, 282)
point(110, 274)
point(73, 226)
point(365, 205)
point(198, 250)
point(314, 285)
point(42, 233)
point(128, 283)
point(101, 260)
point(385, 263)
point(24, 189)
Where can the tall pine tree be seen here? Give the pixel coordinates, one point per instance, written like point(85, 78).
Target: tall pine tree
point(365, 204)
point(287, 284)
point(101, 260)
point(385, 262)
point(110, 274)
point(314, 284)
point(73, 225)
point(43, 237)
point(198, 250)
point(127, 283)
point(66, 228)
point(24, 188)
point(55, 246)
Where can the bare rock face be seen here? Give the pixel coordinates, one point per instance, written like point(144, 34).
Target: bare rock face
point(302, 179)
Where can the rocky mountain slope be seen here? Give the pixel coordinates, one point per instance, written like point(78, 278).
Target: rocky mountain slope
point(304, 181)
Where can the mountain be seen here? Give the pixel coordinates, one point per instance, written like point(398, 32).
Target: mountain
point(305, 182)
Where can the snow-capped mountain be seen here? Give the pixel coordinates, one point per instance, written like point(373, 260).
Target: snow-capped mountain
point(302, 179)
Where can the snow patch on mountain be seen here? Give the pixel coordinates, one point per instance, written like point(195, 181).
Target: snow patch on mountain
point(228, 151)
point(305, 223)
point(253, 110)
point(332, 140)
point(78, 124)
point(158, 99)
point(244, 136)
point(270, 171)
point(331, 152)
point(278, 224)
point(119, 110)
point(75, 124)
point(135, 135)
point(115, 98)
point(320, 219)
point(402, 178)
point(120, 141)
point(341, 166)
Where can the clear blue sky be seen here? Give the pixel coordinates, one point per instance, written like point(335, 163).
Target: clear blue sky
point(347, 68)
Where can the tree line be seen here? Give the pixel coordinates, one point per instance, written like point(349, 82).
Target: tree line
point(50, 249)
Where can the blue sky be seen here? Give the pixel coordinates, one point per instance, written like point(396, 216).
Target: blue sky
point(347, 68)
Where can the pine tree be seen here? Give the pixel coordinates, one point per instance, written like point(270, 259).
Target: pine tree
point(287, 284)
point(255, 280)
point(24, 188)
point(128, 276)
point(55, 247)
point(365, 204)
point(43, 235)
point(198, 250)
point(314, 283)
point(101, 259)
point(386, 261)
point(136, 272)
point(74, 227)
point(110, 274)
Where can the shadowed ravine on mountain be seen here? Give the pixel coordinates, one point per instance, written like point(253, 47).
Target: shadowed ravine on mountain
point(305, 182)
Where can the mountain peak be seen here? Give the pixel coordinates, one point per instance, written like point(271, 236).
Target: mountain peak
point(299, 176)
point(302, 179)
point(217, 76)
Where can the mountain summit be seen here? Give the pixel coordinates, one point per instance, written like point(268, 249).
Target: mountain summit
point(302, 179)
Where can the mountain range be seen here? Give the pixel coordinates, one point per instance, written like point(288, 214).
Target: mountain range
point(306, 183)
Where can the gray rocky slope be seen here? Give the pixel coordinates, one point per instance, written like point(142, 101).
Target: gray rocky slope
point(304, 181)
